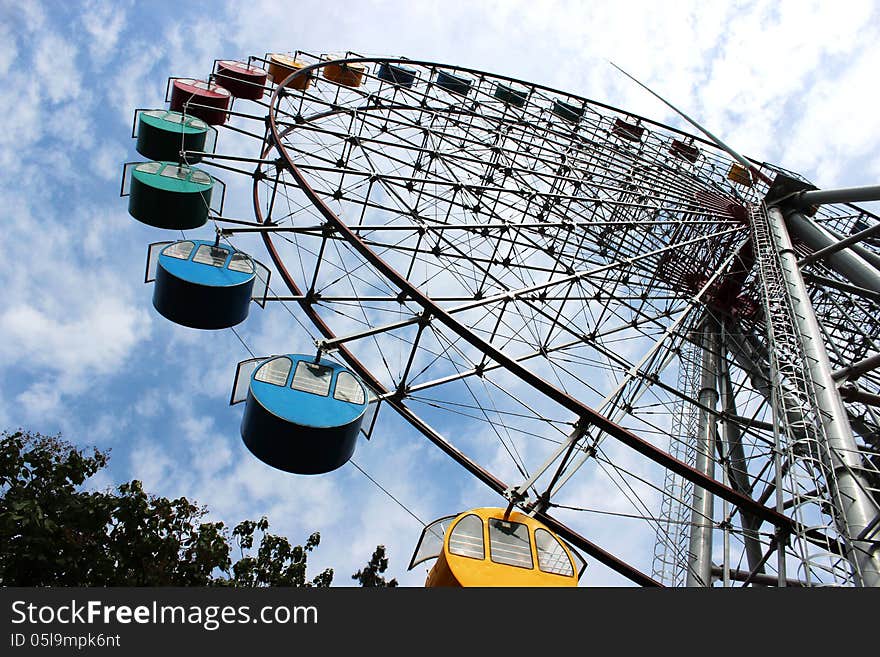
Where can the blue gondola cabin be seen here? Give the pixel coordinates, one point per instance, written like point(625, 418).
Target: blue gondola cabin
point(511, 95)
point(396, 74)
point(203, 285)
point(454, 84)
point(301, 416)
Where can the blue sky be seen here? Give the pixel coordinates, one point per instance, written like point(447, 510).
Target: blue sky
point(83, 352)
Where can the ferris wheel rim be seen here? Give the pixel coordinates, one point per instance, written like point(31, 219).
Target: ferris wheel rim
point(307, 70)
point(581, 410)
point(561, 528)
point(777, 519)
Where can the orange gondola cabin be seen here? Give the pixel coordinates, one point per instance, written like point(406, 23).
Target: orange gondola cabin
point(487, 547)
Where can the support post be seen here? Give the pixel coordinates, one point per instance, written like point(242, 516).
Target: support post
point(855, 238)
point(855, 509)
point(845, 262)
point(736, 461)
point(702, 514)
point(843, 195)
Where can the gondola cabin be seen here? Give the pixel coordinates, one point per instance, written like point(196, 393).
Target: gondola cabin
point(684, 150)
point(169, 195)
point(396, 74)
point(301, 416)
point(163, 135)
point(568, 111)
point(739, 174)
point(454, 84)
point(201, 284)
point(241, 79)
point(283, 66)
point(511, 95)
point(629, 131)
point(347, 74)
point(483, 547)
point(206, 100)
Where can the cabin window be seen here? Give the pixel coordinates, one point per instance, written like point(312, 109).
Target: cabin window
point(206, 86)
point(552, 557)
point(241, 262)
point(313, 378)
point(509, 543)
point(208, 254)
point(200, 177)
point(466, 538)
point(175, 171)
point(348, 389)
point(180, 250)
point(274, 371)
point(431, 542)
point(148, 167)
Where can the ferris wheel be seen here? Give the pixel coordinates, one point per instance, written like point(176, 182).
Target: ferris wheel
point(594, 314)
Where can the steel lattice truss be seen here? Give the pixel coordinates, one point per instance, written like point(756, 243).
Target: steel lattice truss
point(492, 268)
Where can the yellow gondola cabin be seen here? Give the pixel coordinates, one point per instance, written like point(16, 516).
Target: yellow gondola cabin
point(482, 547)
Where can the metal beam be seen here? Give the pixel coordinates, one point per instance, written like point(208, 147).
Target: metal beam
point(842, 195)
point(853, 394)
point(855, 508)
point(735, 458)
point(824, 281)
point(861, 236)
point(865, 253)
point(699, 572)
point(757, 578)
point(858, 368)
point(579, 541)
point(845, 262)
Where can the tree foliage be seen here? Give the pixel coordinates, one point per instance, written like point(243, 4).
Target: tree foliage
point(371, 575)
point(54, 532)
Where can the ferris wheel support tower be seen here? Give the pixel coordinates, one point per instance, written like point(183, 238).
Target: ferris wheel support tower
point(809, 408)
point(825, 418)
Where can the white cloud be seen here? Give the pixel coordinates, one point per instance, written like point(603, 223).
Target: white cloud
point(149, 404)
point(56, 68)
point(32, 13)
point(104, 22)
point(20, 105)
point(107, 160)
point(135, 84)
point(39, 401)
point(8, 49)
point(92, 343)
